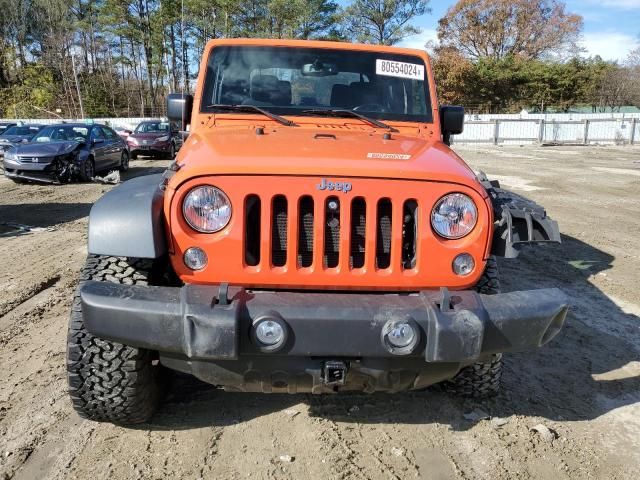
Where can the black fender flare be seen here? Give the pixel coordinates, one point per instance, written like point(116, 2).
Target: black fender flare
point(128, 222)
point(518, 221)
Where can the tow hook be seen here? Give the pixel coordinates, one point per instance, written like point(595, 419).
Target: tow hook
point(334, 372)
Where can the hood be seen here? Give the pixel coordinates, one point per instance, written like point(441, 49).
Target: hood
point(45, 149)
point(331, 153)
point(14, 138)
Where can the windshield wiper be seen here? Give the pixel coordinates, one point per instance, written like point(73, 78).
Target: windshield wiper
point(253, 108)
point(347, 113)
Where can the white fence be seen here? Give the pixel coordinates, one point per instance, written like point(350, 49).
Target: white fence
point(582, 129)
point(520, 129)
point(114, 122)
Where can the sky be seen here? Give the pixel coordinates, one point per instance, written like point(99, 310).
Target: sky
point(611, 27)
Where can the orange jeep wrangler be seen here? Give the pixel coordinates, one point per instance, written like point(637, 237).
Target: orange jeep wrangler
point(315, 234)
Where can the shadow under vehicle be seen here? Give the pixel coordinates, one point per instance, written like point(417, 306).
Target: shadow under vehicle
point(66, 152)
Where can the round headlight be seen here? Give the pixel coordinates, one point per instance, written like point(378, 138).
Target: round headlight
point(454, 216)
point(207, 209)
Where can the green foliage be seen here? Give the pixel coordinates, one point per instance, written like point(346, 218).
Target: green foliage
point(512, 83)
point(32, 96)
point(385, 22)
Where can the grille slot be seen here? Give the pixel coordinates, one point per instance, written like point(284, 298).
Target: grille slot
point(409, 233)
point(332, 232)
point(252, 230)
point(383, 234)
point(358, 232)
point(305, 231)
point(279, 220)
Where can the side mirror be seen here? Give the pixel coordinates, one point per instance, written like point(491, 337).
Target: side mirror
point(451, 121)
point(179, 107)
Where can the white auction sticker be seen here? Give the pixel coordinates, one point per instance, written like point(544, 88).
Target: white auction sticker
point(392, 68)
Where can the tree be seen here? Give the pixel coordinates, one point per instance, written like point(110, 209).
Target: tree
point(500, 28)
point(385, 22)
point(633, 64)
point(454, 76)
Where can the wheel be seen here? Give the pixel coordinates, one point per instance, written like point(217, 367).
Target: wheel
point(482, 379)
point(109, 381)
point(134, 156)
point(87, 170)
point(172, 152)
point(124, 161)
point(489, 283)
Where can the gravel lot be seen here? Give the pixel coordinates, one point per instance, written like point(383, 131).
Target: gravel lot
point(585, 386)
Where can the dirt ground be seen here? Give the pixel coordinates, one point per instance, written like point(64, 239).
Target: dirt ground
point(584, 386)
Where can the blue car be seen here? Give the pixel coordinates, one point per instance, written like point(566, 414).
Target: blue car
point(65, 152)
point(17, 134)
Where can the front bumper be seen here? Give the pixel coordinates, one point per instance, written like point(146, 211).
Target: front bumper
point(197, 322)
point(40, 171)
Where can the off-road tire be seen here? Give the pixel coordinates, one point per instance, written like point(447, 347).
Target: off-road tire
point(489, 283)
point(109, 381)
point(482, 379)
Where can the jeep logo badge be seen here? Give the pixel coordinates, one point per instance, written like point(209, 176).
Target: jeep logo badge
point(331, 186)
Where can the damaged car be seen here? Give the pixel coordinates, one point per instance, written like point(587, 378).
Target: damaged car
point(17, 134)
point(67, 152)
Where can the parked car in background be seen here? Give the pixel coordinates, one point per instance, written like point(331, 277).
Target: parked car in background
point(123, 132)
point(155, 138)
point(17, 134)
point(5, 125)
point(65, 152)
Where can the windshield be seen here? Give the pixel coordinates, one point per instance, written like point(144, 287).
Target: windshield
point(152, 127)
point(62, 132)
point(287, 81)
point(21, 130)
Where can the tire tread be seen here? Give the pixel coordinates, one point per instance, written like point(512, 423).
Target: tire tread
point(109, 381)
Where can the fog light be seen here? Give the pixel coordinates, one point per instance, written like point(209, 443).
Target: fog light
point(401, 336)
point(269, 332)
point(463, 264)
point(195, 258)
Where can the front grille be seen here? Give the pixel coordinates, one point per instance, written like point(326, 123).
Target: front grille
point(305, 232)
point(28, 159)
point(332, 232)
point(279, 232)
point(358, 232)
